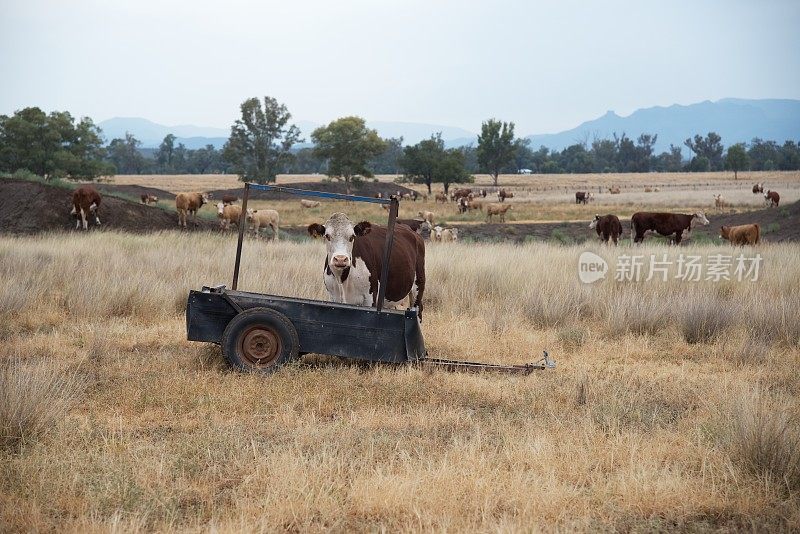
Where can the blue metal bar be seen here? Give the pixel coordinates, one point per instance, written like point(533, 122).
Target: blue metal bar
point(320, 194)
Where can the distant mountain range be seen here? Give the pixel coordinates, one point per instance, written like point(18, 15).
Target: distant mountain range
point(736, 120)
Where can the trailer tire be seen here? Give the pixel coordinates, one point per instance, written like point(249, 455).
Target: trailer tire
point(259, 340)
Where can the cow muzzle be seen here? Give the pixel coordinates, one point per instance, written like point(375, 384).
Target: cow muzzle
point(340, 262)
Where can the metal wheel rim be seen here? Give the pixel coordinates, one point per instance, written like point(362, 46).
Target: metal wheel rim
point(260, 346)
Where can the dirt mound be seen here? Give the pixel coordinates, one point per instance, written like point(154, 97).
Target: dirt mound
point(32, 207)
point(133, 191)
point(367, 189)
point(777, 224)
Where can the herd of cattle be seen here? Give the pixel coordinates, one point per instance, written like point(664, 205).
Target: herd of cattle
point(86, 205)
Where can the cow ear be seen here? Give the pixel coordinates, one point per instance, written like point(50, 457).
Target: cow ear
point(362, 228)
point(316, 230)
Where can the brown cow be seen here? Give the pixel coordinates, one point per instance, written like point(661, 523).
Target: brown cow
point(188, 204)
point(229, 199)
point(772, 198)
point(584, 197)
point(440, 197)
point(85, 203)
point(148, 199)
point(607, 226)
point(758, 188)
point(497, 209)
point(502, 195)
point(720, 202)
point(666, 224)
point(354, 262)
point(461, 193)
point(227, 215)
point(744, 234)
point(613, 190)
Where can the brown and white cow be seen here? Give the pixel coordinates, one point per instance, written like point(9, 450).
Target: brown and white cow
point(440, 197)
point(85, 204)
point(614, 190)
point(461, 193)
point(148, 199)
point(666, 224)
point(607, 226)
point(758, 188)
point(188, 204)
point(583, 197)
point(427, 215)
point(772, 198)
point(744, 234)
point(354, 262)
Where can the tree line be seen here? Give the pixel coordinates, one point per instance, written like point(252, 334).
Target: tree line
point(263, 143)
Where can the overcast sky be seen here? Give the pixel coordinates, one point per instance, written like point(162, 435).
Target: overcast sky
point(547, 65)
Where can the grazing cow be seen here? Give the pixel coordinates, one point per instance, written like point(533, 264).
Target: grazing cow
point(263, 218)
point(648, 189)
point(229, 199)
point(440, 197)
point(758, 188)
point(148, 199)
point(772, 198)
point(614, 190)
point(607, 226)
point(497, 209)
point(309, 203)
point(228, 214)
point(744, 234)
point(475, 205)
point(189, 203)
point(426, 216)
point(85, 203)
point(720, 202)
point(354, 262)
point(583, 197)
point(502, 195)
point(666, 224)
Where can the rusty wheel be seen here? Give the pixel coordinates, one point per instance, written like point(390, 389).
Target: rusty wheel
point(259, 340)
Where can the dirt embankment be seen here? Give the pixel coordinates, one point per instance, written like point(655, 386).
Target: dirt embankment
point(367, 189)
point(32, 207)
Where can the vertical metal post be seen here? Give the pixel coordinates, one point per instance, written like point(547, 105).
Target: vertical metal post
point(242, 223)
point(393, 209)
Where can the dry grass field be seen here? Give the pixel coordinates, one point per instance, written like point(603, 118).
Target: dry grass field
point(674, 405)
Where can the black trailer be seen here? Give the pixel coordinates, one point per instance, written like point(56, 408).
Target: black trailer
point(259, 332)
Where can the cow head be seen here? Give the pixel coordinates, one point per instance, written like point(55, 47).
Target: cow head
point(699, 218)
point(724, 232)
point(339, 233)
point(204, 198)
point(221, 209)
point(594, 222)
point(590, 197)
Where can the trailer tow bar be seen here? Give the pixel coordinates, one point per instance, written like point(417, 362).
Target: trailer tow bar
point(455, 365)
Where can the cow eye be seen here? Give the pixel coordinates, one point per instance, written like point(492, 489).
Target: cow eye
point(328, 237)
point(352, 238)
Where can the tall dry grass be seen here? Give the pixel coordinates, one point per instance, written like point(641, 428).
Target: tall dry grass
point(634, 430)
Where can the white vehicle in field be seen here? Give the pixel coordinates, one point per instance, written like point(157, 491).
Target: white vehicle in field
point(525, 171)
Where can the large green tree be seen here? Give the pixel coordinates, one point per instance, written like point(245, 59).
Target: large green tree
point(736, 159)
point(260, 143)
point(125, 155)
point(450, 169)
point(419, 161)
point(165, 154)
point(51, 145)
point(496, 147)
point(348, 146)
point(709, 147)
